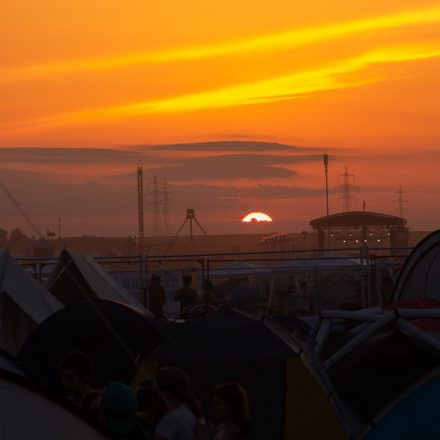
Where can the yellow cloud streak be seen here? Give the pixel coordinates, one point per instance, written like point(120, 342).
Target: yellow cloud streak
point(264, 91)
point(277, 41)
point(280, 88)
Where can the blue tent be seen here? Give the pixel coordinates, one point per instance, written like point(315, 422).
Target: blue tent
point(413, 415)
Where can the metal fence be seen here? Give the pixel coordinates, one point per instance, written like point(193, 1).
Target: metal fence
point(282, 282)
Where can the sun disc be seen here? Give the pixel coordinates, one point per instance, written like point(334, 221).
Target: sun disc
point(256, 216)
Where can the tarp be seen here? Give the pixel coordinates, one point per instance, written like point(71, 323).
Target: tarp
point(253, 350)
point(330, 261)
point(112, 334)
point(76, 278)
point(23, 304)
point(238, 268)
point(27, 412)
point(420, 275)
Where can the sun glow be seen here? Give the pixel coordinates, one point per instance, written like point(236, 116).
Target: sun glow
point(257, 217)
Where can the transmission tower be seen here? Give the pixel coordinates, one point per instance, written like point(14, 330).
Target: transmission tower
point(165, 208)
point(346, 189)
point(400, 209)
point(140, 189)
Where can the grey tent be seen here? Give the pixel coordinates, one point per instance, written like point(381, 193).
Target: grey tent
point(76, 278)
point(113, 335)
point(285, 391)
point(23, 304)
point(420, 276)
point(30, 413)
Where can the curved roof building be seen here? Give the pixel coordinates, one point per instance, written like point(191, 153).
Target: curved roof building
point(357, 219)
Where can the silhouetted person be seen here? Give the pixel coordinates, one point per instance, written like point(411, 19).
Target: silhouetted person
point(90, 403)
point(149, 406)
point(75, 370)
point(231, 412)
point(157, 296)
point(186, 295)
point(231, 415)
point(117, 412)
point(182, 409)
point(387, 288)
point(208, 291)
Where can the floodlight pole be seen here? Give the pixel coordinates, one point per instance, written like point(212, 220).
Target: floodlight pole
point(326, 180)
point(326, 193)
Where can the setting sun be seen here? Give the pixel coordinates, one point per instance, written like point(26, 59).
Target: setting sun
point(257, 217)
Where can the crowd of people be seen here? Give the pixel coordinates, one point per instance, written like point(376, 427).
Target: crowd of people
point(163, 407)
point(186, 296)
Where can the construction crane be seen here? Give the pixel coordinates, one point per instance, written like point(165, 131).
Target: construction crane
point(21, 210)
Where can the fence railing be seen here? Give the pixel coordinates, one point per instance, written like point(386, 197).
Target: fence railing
point(283, 281)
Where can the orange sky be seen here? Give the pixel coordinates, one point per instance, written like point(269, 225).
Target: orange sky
point(360, 78)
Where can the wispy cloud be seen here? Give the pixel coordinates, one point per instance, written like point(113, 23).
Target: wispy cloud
point(233, 166)
point(68, 155)
point(352, 72)
point(264, 43)
point(227, 146)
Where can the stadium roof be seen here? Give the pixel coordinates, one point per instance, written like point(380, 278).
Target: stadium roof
point(357, 219)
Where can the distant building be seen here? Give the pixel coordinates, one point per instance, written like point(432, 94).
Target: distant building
point(357, 228)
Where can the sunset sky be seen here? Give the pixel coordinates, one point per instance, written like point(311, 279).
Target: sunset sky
point(88, 88)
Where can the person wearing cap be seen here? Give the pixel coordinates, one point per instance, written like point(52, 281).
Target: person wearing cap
point(182, 409)
point(118, 412)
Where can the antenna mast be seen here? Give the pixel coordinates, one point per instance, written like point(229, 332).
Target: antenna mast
point(140, 190)
point(326, 180)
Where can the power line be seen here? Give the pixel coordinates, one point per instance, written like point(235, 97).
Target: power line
point(21, 210)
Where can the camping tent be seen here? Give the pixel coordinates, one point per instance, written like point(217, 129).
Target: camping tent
point(9, 363)
point(373, 356)
point(112, 334)
point(23, 304)
point(420, 276)
point(377, 371)
point(414, 414)
point(287, 395)
point(76, 278)
point(28, 412)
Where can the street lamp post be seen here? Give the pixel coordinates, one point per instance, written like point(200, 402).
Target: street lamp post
point(326, 179)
